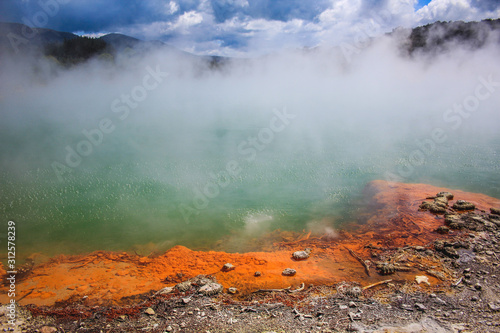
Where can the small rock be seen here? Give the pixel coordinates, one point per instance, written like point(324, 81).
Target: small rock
point(442, 230)
point(257, 273)
point(48, 329)
point(122, 318)
point(494, 307)
point(474, 299)
point(228, 267)
point(166, 290)
point(149, 311)
point(211, 289)
point(478, 286)
point(446, 195)
point(169, 329)
point(437, 208)
point(425, 205)
point(289, 272)
point(186, 300)
point(455, 223)
point(441, 201)
point(232, 290)
point(200, 280)
point(301, 255)
point(355, 316)
point(420, 307)
point(450, 218)
point(352, 304)
point(440, 301)
point(463, 205)
point(406, 307)
point(495, 211)
point(343, 306)
point(422, 279)
point(183, 286)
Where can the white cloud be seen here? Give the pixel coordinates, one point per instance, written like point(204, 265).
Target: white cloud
point(90, 34)
point(172, 7)
point(401, 12)
point(341, 10)
point(453, 10)
point(188, 19)
point(155, 30)
point(343, 21)
point(269, 26)
point(445, 10)
point(234, 3)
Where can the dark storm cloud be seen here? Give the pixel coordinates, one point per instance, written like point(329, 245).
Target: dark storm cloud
point(93, 15)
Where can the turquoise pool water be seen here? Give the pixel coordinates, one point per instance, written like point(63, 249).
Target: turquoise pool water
point(203, 158)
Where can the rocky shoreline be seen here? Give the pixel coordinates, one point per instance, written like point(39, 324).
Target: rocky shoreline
point(440, 275)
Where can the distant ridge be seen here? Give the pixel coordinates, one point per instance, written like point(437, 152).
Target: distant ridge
point(17, 38)
point(119, 41)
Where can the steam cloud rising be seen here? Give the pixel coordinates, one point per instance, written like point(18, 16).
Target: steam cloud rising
point(163, 127)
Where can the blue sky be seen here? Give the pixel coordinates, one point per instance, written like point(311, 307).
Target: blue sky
point(422, 3)
point(240, 27)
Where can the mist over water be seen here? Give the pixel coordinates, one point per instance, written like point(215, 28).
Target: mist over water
point(285, 142)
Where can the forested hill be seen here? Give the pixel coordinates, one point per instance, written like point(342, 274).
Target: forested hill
point(69, 49)
point(442, 36)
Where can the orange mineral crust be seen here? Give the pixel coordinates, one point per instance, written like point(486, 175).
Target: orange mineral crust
point(391, 220)
point(393, 211)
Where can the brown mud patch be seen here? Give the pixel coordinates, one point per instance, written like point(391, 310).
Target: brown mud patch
point(392, 221)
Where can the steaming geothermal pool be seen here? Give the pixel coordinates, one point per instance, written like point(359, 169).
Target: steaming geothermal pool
point(201, 158)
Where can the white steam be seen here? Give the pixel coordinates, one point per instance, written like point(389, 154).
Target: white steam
point(184, 141)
